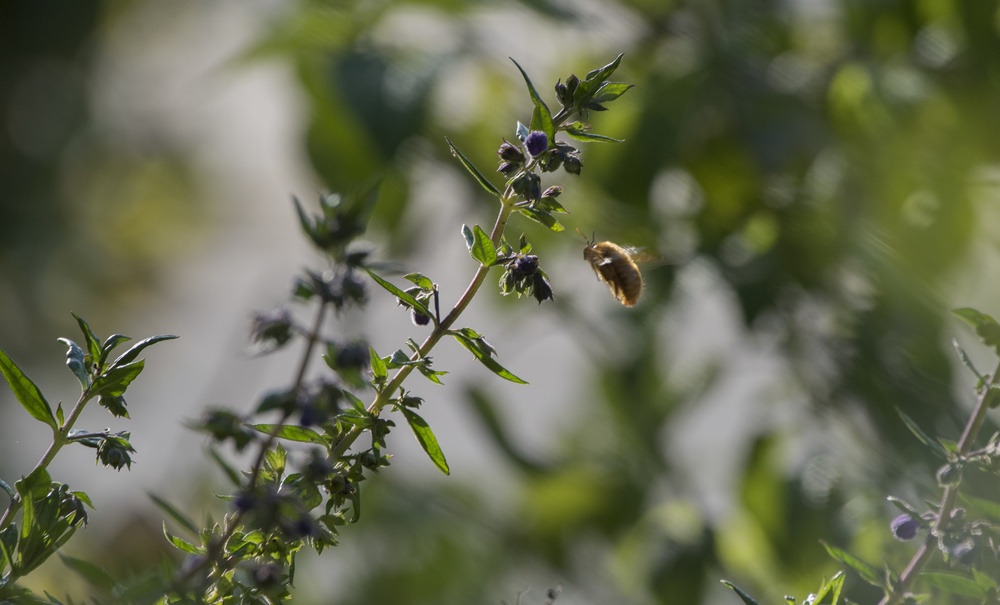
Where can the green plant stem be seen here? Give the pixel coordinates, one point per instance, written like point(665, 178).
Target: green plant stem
point(948, 500)
point(60, 437)
point(440, 330)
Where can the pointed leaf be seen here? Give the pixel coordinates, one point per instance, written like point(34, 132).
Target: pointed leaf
point(486, 359)
point(541, 118)
point(955, 583)
point(747, 599)
point(91, 572)
point(27, 392)
point(291, 433)
point(182, 545)
point(470, 238)
point(420, 280)
point(590, 137)
point(379, 370)
point(482, 248)
point(924, 438)
point(109, 345)
point(479, 176)
point(542, 217)
point(426, 439)
point(867, 572)
point(115, 381)
point(228, 469)
point(92, 342)
point(137, 348)
point(174, 513)
point(401, 295)
point(610, 91)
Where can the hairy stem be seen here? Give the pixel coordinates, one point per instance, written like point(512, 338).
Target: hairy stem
point(386, 394)
point(948, 500)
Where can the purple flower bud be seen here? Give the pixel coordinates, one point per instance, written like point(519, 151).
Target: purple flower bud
point(418, 318)
point(904, 527)
point(536, 142)
point(525, 265)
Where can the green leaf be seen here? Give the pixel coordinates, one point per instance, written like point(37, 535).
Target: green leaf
point(586, 90)
point(110, 345)
point(275, 459)
point(867, 572)
point(93, 344)
point(228, 469)
point(26, 392)
point(542, 217)
point(747, 599)
point(480, 178)
point(904, 507)
point(137, 348)
point(482, 247)
point(835, 585)
point(401, 295)
point(426, 439)
point(379, 370)
point(91, 572)
point(291, 433)
point(114, 382)
point(924, 438)
point(986, 327)
point(473, 347)
point(36, 485)
point(541, 117)
point(76, 361)
point(610, 91)
point(181, 544)
point(955, 583)
point(174, 513)
point(590, 137)
point(470, 238)
point(420, 280)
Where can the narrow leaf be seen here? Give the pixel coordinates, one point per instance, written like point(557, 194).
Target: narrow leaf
point(115, 381)
point(27, 392)
point(470, 238)
point(91, 572)
point(924, 438)
point(420, 280)
point(541, 118)
point(747, 599)
point(486, 360)
point(137, 348)
point(401, 295)
point(590, 137)
point(482, 248)
point(867, 572)
point(174, 513)
point(479, 176)
point(955, 583)
point(610, 91)
point(110, 345)
point(92, 342)
point(379, 369)
point(228, 469)
point(544, 218)
point(291, 433)
point(181, 544)
point(426, 439)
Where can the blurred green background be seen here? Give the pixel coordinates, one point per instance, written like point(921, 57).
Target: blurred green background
point(819, 178)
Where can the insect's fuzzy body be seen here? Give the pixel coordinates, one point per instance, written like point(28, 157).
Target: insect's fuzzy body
point(615, 266)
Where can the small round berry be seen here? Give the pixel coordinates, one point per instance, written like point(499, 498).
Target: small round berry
point(904, 527)
point(536, 142)
point(418, 318)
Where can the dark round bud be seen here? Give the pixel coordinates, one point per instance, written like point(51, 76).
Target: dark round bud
point(509, 168)
point(244, 502)
point(418, 318)
point(949, 474)
point(510, 153)
point(536, 142)
point(904, 527)
point(553, 191)
point(369, 460)
point(964, 552)
point(354, 287)
point(573, 164)
point(525, 265)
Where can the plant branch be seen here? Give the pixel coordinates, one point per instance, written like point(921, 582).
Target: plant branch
point(948, 499)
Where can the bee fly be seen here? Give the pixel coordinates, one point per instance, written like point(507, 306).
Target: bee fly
point(615, 266)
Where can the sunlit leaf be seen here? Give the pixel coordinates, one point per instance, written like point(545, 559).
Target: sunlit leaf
point(425, 436)
point(26, 392)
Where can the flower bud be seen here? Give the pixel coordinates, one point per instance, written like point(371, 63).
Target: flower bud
point(536, 143)
point(525, 265)
point(553, 191)
point(509, 168)
point(904, 527)
point(573, 164)
point(418, 318)
point(510, 153)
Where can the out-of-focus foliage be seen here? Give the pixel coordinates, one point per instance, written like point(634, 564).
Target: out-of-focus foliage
point(823, 163)
point(825, 166)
